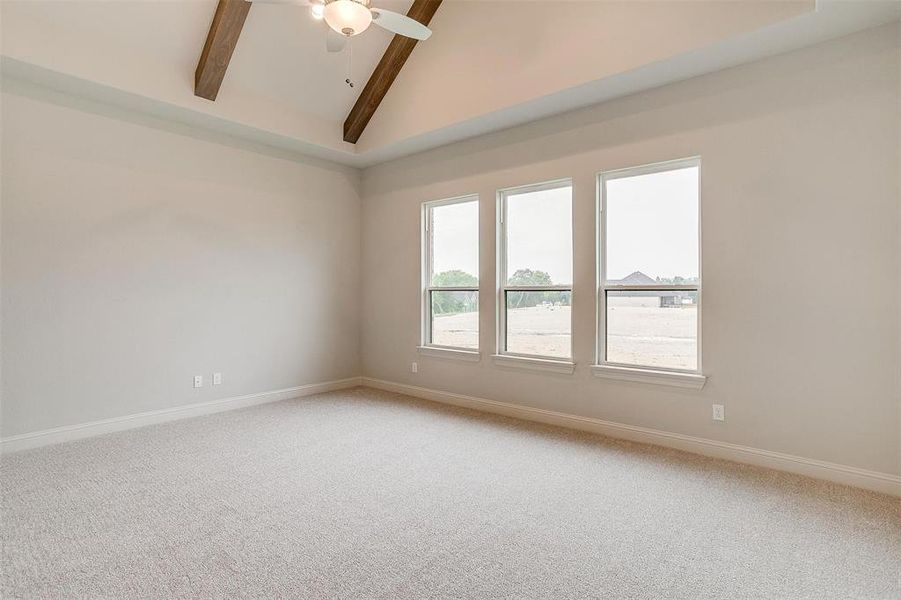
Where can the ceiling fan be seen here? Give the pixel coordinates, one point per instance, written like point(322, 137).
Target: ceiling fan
point(347, 18)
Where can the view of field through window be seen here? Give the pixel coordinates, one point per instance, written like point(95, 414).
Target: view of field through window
point(651, 241)
point(454, 263)
point(538, 255)
point(643, 330)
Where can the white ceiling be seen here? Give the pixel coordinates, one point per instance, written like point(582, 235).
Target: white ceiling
point(281, 54)
point(489, 64)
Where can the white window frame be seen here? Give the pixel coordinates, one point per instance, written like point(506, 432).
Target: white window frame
point(426, 345)
point(691, 378)
point(514, 359)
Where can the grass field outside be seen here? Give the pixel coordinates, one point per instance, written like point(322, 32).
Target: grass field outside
point(640, 332)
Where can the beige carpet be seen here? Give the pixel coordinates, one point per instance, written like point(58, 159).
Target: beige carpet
point(364, 494)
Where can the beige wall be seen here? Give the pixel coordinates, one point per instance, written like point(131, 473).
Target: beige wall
point(800, 251)
point(136, 255)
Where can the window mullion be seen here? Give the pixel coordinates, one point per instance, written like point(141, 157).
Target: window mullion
point(650, 288)
point(453, 289)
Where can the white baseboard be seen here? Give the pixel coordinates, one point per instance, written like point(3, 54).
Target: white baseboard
point(853, 476)
point(83, 430)
point(862, 478)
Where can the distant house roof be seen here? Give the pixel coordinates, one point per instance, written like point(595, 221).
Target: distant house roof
point(636, 278)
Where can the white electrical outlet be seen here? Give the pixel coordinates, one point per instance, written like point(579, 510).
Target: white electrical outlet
point(719, 412)
point(415, 367)
point(198, 381)
point(217, 378)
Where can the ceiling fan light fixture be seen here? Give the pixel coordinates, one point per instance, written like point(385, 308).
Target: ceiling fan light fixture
point(317, 9)
point(347, 17)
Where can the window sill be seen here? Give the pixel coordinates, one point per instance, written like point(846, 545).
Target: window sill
point(692, 381)
point(535, 364)
point(450, 353)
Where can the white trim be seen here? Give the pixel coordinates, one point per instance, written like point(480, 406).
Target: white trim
point(539, 288)
point(453, 288)
point(663, 287)
point(692, 381)
point(534, 364)
point(451, 353)
point(651, 168)
point(69, 433)
point(472, 197)
point(886, 483)
point(527, 188)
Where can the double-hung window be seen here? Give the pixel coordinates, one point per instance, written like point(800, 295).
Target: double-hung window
point(649, 267)
point(535, 271)
point(450, 258)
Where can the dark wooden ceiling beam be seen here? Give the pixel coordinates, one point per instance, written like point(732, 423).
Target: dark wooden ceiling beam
point(386, 72)
point(220, 44)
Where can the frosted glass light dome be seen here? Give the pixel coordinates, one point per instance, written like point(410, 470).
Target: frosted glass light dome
point(348, 17)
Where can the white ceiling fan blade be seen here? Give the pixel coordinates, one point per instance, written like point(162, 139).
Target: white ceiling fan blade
point(334, 41)
point(401, 24)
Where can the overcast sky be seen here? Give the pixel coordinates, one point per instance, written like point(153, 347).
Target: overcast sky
point(455, 238)
point(652, 225)
point(539, 233)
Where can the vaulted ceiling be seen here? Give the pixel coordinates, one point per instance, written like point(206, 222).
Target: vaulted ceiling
point(488, 64)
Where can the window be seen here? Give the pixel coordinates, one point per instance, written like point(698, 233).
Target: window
point(451, 273)
point(649, 293)
point(535, 271)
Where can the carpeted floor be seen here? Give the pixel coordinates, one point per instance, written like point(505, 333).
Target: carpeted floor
point(365, 494)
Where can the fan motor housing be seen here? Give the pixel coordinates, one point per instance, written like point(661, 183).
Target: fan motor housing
point(348, 17)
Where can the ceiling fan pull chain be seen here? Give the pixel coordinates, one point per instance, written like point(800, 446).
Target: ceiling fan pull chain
point(350, 56)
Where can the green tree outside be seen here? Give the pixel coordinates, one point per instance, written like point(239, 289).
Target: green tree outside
point(527, 277)
point(447, 303)
point(454, 278)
